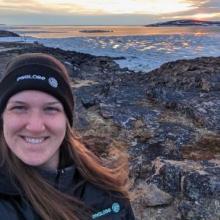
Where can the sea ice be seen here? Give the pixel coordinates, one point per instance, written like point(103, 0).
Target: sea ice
point(141, 53)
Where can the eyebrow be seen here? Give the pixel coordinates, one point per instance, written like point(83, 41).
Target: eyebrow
point(16, 102)
point(21, 102)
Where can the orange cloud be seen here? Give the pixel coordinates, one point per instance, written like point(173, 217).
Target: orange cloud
point(147, 9)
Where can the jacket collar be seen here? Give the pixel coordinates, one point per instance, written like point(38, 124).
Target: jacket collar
point(62, 179)
point(7, 184)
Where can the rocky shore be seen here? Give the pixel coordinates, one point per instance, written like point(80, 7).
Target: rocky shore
point(167, 121)
point(4, 33)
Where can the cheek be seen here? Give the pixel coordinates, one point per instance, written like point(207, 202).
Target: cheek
point(58, 126)
point(62, 130)
point(11, 124)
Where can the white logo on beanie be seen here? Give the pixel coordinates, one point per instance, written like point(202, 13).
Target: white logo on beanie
point(35, 76)
point(53, 82)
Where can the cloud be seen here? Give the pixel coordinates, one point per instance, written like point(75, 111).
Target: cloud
point(98, 6)
point(93, 11)
point(31, 5)
point(38, 7)
point(133, 6)
point(205, 9)
point(206, 4)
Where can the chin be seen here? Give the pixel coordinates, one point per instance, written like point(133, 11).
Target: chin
point(34, 163)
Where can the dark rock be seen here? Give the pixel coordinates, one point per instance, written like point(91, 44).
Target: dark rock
point(201, 185)
point(186, 22)
point(89, 95)
point(183, 86)
point(200, 189)
point(180, 175)
point(203, 209)
point(168, 120)
point(167, 177)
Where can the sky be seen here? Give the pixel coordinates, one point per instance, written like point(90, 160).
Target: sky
point(105, 12)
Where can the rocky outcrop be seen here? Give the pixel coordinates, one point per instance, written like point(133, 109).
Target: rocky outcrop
point(4, 33)
point(186, 22)
point(167, 121)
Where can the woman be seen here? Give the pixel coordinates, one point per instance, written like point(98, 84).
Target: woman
point(46, 172)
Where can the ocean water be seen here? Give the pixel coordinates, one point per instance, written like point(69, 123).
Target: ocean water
point(144, 48)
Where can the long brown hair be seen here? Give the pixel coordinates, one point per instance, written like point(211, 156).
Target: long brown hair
point(48, 202)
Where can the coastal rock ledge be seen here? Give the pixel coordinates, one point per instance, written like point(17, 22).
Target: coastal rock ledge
point(4, 33)
point(166, 120)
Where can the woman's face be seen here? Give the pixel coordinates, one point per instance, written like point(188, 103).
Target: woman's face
point(34, 126)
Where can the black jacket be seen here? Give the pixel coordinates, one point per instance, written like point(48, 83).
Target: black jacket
point(13, 205)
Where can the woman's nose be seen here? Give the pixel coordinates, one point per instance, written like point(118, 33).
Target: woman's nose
point(35, 122)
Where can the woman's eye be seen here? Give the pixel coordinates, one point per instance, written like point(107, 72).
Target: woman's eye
point(18, 108)
point(51, 109)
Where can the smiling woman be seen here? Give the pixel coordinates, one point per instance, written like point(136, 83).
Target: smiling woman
point(36, 121)
point(45, 170)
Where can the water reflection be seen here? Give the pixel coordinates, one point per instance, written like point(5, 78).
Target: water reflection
point(56, 31)
point(143, 48)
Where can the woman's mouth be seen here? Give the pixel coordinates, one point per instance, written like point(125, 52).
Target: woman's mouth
point(34, 140)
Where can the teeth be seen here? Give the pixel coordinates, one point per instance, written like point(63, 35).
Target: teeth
point(32, 140)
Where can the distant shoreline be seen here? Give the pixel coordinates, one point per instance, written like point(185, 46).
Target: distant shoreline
point(180, 23)
point(4, 33)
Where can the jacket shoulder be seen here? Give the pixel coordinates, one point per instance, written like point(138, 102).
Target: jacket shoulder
point(107, 205)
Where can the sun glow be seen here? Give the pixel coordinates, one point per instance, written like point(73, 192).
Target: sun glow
point(118, 7)
point(110, 11)
point(198, 16)
point(205, 15)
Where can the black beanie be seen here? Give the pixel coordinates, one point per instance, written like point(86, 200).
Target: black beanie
point(37, 71)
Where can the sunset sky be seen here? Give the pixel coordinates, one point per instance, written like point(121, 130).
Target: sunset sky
point(105, 12)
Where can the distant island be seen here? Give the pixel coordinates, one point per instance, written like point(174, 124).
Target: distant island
point(186, 22)
point(95, 31)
